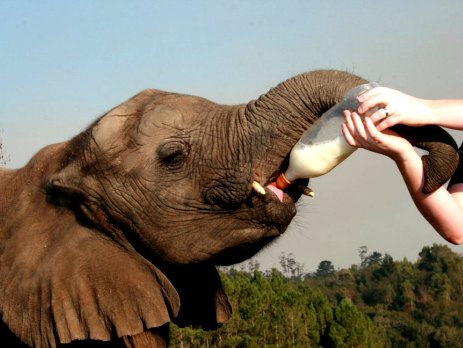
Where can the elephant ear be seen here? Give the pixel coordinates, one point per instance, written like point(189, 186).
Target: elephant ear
point(204, 301)
point(442, 159)
point(62, 282)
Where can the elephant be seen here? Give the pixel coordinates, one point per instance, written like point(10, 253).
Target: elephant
point(109, 236)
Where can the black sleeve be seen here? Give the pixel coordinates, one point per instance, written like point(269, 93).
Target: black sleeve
point(457, 177)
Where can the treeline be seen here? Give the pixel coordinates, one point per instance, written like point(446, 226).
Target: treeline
point(378, 303)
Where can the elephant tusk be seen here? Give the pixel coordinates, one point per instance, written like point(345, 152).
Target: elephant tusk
point(308, 192)
point(258, 188)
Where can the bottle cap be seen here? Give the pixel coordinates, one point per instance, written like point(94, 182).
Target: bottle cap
point(282, 181)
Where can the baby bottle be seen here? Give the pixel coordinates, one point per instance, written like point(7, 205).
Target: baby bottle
point(322, 147)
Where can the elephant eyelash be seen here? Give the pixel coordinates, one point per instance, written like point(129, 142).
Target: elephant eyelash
point(173, 154)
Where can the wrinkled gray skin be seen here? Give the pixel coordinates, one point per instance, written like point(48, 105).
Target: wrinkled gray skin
point(111, 235)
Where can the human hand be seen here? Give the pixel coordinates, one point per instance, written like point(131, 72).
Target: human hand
point(364, 134)
point(394, 107)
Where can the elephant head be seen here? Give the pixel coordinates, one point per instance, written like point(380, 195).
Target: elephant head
point(116, 232)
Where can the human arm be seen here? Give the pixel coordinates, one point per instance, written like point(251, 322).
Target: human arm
point(442, 209)
point(409, 110)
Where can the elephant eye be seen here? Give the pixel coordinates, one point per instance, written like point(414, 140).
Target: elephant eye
point(173, 154)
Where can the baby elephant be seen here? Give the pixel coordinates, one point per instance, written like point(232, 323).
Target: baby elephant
point(107, 237)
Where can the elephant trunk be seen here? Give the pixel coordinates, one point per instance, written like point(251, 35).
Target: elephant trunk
point(287, 110)
point(290, 108)
point(442, 159)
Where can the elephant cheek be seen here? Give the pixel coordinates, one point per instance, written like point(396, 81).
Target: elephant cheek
point(240, 245)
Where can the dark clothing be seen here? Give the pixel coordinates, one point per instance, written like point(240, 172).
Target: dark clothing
point(457, 177)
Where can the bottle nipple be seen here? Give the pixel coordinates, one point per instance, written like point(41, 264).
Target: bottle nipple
point(282, 182)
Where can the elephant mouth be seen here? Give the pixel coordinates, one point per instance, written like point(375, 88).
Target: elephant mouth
point(291, 193)
point(277, 207)
point(266, 220)
point(263, 217)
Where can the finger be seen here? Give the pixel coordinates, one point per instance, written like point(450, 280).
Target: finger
point(387, 122)
point(372, 131)
point(372, 92)
point(379, 115)
point(352, 135)
point(347, 114)
point(348, 135)
point(349, 123)
point(359, 127)
point(379, 100)
point(366, 95)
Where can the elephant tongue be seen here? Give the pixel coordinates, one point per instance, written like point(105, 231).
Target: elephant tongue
point(278, 192)
point(279, 185)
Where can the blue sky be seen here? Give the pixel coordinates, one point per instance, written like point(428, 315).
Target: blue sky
point(63, 63)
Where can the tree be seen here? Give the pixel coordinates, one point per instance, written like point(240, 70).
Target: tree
point(291, 268)
point(352, 328)
point(374, 258)
point(387, 267)
point(325, 268)
point(384, 303)
point(363, 251)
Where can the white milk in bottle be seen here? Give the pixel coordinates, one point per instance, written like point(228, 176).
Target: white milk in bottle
point(312, 160)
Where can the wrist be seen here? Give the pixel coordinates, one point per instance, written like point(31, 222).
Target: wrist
point(404, 155)
point(430, 111)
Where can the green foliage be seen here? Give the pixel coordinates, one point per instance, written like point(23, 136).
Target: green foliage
point(417, 304)
point(271, 310)
point(380, 303)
